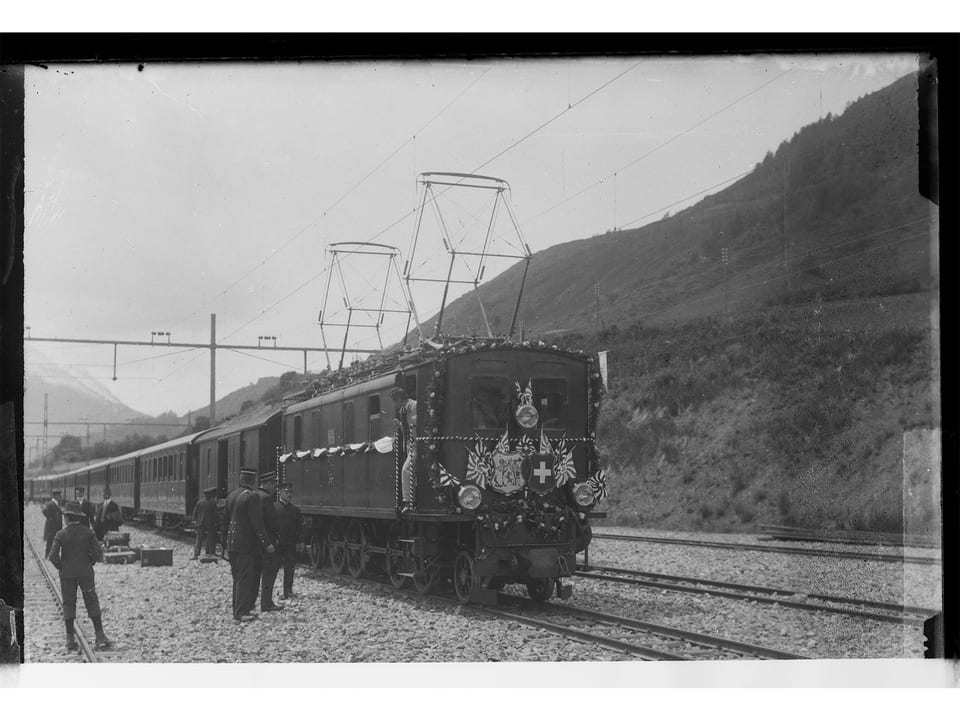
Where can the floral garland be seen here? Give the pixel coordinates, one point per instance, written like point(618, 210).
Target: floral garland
point(435, 404)
point(545, 520)
point(595, 393)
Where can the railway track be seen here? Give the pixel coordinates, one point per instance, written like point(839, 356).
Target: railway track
point(857, 607)
point(847, 537)
point(637, 638)
point(880, 557)
point(42, 609)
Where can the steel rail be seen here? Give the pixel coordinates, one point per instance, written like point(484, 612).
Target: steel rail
point(687, 635)
point(772, 596)
point(85, 648)
point(641, 651)
point(880, 557)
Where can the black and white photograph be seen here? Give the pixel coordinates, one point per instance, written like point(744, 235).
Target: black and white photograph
point(545, 360)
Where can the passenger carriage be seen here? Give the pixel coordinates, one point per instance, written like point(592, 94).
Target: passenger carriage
point(168, 480)
point(122, 480)
point(247, 441)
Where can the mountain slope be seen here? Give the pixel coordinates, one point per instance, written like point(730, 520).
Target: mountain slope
point(834, 211)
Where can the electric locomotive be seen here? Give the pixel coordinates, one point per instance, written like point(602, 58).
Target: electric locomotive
point(506, 473)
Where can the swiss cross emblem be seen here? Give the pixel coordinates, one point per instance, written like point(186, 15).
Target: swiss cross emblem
point(539, 473)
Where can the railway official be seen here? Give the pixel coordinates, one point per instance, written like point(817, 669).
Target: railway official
point(205, 522)
point(246, 540)
point(406, 423)
point(289, 522)
point(54, 520)
point(270, 563)
point(109, 517)
point(74, 552)
point(89, 512)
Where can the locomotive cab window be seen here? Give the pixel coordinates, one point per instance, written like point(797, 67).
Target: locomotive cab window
point(373, 414)
point(348, 431)
point(490, 402)
point(297, 432)
point(550, 399)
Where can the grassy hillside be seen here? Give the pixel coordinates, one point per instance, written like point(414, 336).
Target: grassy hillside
point(789, 416)
point(832, 212)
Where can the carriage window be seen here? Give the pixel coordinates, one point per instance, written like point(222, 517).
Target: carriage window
point(490, 402)
point(315, 425)
point(550, 398)
point(297, 432)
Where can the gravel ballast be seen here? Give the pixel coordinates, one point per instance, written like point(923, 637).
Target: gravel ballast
point(181, 614)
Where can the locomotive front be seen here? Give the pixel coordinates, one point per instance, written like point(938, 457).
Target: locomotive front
point(510, 442)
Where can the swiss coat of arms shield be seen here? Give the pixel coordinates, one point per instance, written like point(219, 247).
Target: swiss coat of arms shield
point(539, 473)
point(507, 472)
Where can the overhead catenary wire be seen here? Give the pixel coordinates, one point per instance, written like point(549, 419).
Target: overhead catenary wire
point(342, 197)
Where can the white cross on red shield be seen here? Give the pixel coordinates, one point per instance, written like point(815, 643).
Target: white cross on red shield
point(539, 474)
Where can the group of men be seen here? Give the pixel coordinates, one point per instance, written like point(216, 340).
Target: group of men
point(74, 549)
point(102, 518)
point(261, 535)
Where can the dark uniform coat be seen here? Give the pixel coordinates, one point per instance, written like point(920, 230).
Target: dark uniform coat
point(246, 540)
point(108, 516)
point(271, 561)
point(54, 521)
point(75, 550)
point(288, 523)
point(89, 513)
point(246, 533)
point(288, 537)
point(205, 515)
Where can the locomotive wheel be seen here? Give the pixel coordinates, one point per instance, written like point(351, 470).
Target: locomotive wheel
point(540, 589)
point(356, 556)
point(394, 557)
point(426, 575)
point(318, 551)
point(465, 576)
point(336, 542)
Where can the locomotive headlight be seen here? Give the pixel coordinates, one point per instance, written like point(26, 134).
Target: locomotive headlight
point(527, 416)
point(583, 494)
point(469, 497)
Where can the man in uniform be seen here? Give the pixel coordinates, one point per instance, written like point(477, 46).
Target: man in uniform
point(74, 552)
point(205, 522)
point(86, 507)
point(54, 520)
point(271, 561)
point(245, 540)
point(288, 537)
point(406, 424)
point(109, 518)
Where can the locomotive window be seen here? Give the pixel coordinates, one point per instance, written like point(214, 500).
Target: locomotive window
point(297, 432)
point(550, 398)
point(373, 412)
point(348, 422)
point(490, 402)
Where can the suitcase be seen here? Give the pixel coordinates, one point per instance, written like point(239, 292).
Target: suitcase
point(155, 556)
point(119, 558)
point(116, 539)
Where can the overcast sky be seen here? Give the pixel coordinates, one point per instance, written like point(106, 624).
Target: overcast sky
point(157, 197)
